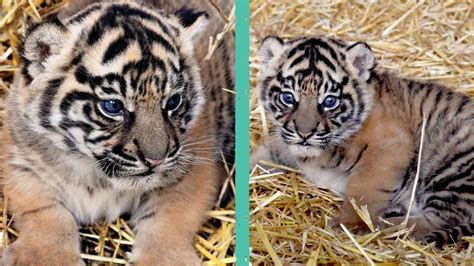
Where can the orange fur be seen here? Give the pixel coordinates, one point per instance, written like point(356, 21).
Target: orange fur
point(379, 169)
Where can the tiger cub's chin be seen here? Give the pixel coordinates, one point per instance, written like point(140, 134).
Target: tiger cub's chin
point(301, 151)
point(108, 116)
point(315, 87)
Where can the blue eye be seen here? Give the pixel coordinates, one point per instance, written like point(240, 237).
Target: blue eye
point(112, 107)
point(287, 98)
point(330, 102)
point(173, 102)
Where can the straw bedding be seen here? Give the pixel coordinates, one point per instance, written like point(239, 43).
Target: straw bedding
point(428, 40)
point(108, 243)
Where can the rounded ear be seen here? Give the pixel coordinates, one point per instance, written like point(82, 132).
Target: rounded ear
point(360, 60)
point(194, 22)
point(271, 46)
point(42, 41)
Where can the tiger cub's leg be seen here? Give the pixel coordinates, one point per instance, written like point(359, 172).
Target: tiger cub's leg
point(48, 233)
point(373, 180)
point(432, 227)
point(424, 223)
point(168, 220)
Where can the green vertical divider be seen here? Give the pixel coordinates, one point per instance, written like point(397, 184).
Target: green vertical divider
point(242, 115)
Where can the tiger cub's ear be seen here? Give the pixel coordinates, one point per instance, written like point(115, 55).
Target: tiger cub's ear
point(270, 48)
point(360, 59)
point(194, 22)
point(41, 41)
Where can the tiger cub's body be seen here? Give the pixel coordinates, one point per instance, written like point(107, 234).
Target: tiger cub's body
point(116, 111)
point(357, 130)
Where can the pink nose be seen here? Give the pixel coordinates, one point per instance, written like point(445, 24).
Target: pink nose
point(305, 135)
point(153, 162)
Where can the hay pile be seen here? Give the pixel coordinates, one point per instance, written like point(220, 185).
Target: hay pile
point(105, 243)
point(428, 40)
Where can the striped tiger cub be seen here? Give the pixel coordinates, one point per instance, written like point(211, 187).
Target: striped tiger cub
point(356, 130)
point(115, 111)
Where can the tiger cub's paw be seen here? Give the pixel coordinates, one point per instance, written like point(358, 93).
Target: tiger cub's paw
point(349, 218)
point(30, 253)
point(355, 226)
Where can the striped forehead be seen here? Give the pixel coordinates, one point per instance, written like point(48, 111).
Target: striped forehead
point(312, 56)
point(112, 36)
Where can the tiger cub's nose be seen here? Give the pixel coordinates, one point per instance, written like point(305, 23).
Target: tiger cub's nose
point(306, 134)
point(153, 162)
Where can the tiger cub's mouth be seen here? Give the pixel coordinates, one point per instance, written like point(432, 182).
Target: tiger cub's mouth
point(313, 141)
point(311, 146)
point(118, 167)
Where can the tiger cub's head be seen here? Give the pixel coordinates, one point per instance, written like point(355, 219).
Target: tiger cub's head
point(315, 90)
point(119, 84)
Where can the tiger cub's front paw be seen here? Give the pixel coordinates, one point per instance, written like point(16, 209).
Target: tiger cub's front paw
point(348, 217)
point(28, 253)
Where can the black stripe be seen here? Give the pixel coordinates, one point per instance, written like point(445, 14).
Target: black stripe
point(454, 159)
point(464, 188)
point(74, 96)
point(144, 198)
point(315, 43)
point(67, 124)
point(70, 143)
point(108, 90)
point(81, 74)
point(47, 99)
point(87, 109)
point(464, 102)
point(441, 185)
point(82, 15)
point(155, 37)
point(36, 210)
point(298, 60)
point(325, 60)
point(106, 22)
point(188, 16)
point(115, 48)
point(127, 11)
point(148, 215)
point(438, 202)
point(101, 138)
point(335, 123)
point(359, 156)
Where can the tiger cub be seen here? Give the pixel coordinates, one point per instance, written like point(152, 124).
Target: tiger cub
point(116, 111)
point(356, 130)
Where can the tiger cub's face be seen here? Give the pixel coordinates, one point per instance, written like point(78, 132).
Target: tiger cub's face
point(315, 90)
point(118, 84)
